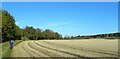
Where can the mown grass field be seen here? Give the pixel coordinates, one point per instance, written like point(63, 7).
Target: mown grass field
point(66, 48)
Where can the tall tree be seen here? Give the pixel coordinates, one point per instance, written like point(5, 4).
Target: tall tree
point(0, 25)
point(8, 26)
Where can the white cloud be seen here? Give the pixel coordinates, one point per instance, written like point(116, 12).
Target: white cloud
point(57, 24)
point(18, 22)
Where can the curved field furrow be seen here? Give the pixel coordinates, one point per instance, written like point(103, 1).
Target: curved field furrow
point(39, 51)
point(72, 54)
point(110, 53)
point(83, 52)
point(18, 51)
point(49, 52)
point(63, 48)
point(23, 50)
point(31, 51)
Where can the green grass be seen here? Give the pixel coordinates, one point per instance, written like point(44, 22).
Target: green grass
point(6, 48)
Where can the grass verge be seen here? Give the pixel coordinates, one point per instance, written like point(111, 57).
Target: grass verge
point(6, 48)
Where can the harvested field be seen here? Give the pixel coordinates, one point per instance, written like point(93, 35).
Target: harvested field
point(67, 48)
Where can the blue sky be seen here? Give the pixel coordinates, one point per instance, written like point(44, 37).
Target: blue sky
point(67, 18)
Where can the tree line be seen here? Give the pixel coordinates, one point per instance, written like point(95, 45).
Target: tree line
point(104, 36)
point(10, 31)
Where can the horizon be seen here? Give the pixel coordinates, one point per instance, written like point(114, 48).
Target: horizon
point(66, 18)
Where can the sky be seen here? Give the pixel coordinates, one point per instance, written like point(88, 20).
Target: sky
point(66, 18)
point(60, 0)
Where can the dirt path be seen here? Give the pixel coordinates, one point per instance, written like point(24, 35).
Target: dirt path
point(52, 49)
